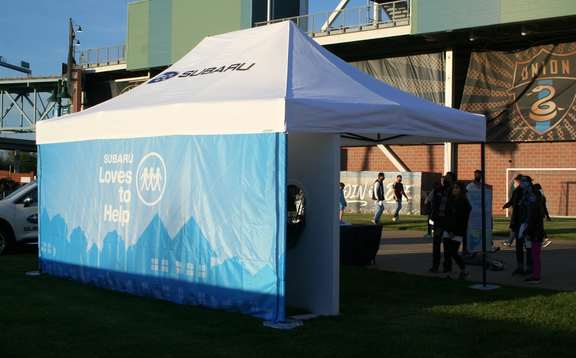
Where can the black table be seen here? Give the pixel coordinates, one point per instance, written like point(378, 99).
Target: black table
point(359, 244)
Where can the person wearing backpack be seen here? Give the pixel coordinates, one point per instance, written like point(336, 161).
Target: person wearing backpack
point(378, 197)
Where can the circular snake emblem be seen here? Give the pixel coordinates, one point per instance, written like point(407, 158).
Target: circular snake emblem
point(544, 109)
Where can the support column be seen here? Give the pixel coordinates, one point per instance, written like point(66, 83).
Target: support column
point(77, 91)
point(449, 148)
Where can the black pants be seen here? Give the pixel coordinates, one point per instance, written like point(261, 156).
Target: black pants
point(437, 242)
point(451, 253)
point(436, 253)
point(520, 254)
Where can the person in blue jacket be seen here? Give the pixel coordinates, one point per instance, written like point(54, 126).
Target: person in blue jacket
point(343, 202)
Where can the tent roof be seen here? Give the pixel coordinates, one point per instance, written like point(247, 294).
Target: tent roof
point(266, 79)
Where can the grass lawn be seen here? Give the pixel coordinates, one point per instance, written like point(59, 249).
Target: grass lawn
point(383, 314)
point(558, 228)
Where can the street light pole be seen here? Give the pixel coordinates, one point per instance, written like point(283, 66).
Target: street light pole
point(70, 57)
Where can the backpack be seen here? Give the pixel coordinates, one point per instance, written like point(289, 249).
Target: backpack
point(371, 191)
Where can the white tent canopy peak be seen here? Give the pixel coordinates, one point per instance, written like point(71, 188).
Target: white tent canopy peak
point(273, 78)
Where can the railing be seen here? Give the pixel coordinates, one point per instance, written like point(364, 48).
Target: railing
point(103, 56)
point(370, 17)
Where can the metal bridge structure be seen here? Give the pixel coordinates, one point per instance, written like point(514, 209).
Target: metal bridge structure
point(24, 102)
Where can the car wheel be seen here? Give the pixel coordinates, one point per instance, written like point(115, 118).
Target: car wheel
point(5, 241)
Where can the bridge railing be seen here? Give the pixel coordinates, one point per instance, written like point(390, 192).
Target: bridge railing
point(370, 17)
point(103, 56)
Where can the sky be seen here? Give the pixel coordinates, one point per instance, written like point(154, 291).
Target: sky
point(36, 31)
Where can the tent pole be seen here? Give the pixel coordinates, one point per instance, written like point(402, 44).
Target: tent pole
point(484, 286)
point(483, 166)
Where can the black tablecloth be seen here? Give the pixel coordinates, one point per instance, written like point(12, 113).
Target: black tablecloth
point(359, 244)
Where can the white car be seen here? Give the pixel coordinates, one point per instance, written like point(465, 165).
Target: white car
point(19, 217)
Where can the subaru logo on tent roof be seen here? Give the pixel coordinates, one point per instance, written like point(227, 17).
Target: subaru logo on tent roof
point(163, 77)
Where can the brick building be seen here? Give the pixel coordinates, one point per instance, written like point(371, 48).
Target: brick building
point(540, 160)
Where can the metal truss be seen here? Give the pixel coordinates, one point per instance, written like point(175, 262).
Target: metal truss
point(23, 102)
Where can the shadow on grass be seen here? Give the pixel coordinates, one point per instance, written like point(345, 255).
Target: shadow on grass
point(382, 314)
point(420, 312)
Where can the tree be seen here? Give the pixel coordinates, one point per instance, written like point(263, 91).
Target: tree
point(28, 162)
point(5, 160)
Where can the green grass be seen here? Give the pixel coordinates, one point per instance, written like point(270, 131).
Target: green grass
point(383, 314)
point(558, 228)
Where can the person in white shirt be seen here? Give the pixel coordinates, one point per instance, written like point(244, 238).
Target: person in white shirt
point(476, 186)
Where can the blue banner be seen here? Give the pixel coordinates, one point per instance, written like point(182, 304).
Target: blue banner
point(475, 222)
point(195, 220)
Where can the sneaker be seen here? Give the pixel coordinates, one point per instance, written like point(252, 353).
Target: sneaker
point(433, 269)
point(518, 272)
point(547, 243)
point(428, 235)
point(494, 249)
point(394, 219)
point(374, 222)
point(448, 279)
point(527, 272)
point(464, 275)
point(532, 280)
point(506, 243)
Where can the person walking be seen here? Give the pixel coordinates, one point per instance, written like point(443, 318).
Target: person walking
point(398, 189)
point(439, 202)
point(534, 233)
point(378, 197)
point(457, 214)
point(343, 202)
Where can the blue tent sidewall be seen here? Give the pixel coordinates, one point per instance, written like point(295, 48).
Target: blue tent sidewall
point(195, 220)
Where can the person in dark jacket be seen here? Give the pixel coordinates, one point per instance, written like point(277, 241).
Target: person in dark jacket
point(534, 233)
point(547, 241)
point(378, 197)
point(455, 226)
point(439, 202)
point(514, 201)
point(520, 217)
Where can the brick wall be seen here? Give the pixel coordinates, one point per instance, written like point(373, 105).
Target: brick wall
point(18, 177)
point(559, 186)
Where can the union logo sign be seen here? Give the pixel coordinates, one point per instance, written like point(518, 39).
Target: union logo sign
point(541, 89)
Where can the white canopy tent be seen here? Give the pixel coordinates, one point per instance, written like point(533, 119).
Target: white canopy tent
point(271, 79)
point(267, 79)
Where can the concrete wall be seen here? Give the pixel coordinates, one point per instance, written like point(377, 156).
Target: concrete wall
point(441, 15)
point(357, 191)
point(162, 32)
